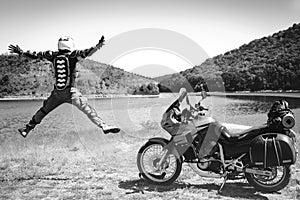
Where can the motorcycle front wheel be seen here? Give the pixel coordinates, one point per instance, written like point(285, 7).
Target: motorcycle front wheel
point(280, 178)
point(148, 160)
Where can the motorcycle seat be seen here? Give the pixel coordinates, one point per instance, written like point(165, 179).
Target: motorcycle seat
point(236, 129)
point(242, 135)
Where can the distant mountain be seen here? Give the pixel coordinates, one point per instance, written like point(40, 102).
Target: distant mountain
point(269, 63)
point(173, 82)
point(24, 76)
point(153, 70)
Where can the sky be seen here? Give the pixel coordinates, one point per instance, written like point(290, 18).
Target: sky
point(215, 26)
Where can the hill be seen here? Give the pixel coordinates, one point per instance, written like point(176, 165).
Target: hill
point(21, 76)
point(268, 63)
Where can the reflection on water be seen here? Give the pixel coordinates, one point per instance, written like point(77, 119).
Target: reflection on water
point(256, 104)
point(249, 107)
point(134, 113)
point(151, 108)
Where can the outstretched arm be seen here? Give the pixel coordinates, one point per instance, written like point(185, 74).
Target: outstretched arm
point(16, 49)
point(88, 52)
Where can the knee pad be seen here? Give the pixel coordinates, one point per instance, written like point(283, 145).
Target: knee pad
point(83, 100)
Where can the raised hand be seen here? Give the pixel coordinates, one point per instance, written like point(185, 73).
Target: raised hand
point(15, 49)
point(101, 42)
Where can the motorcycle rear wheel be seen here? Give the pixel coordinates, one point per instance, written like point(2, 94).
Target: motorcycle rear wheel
point(147, 161)
point(279, 180)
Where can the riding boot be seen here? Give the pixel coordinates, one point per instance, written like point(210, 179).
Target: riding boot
point(28, 127)
point(109, 128)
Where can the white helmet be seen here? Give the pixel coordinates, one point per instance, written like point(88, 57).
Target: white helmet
point(66, 43)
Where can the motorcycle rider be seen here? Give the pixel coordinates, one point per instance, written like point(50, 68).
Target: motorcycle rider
point(64, 62)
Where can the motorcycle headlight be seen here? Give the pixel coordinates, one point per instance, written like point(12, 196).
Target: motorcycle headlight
point(288, 121)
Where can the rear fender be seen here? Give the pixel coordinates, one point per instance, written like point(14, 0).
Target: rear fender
point(292, 134)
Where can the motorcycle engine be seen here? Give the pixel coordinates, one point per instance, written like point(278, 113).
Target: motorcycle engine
point(214, 166)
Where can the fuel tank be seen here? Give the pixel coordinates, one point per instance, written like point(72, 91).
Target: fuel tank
point(203, 121)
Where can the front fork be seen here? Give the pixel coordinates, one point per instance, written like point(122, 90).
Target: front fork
point(162, 159)
point(167, 150)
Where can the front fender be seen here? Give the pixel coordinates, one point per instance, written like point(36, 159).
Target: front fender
point(169, 145)
point(163, 141)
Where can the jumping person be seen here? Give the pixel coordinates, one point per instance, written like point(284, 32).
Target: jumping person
point(64, 62)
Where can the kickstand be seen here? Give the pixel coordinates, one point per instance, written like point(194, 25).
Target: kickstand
point(224, 181)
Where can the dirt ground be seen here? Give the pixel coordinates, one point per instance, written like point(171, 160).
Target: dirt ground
point(75, 173)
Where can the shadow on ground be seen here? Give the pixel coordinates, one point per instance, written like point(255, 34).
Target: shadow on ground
point(236, 190)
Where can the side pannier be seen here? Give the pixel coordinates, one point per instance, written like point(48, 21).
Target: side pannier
point(270, 150)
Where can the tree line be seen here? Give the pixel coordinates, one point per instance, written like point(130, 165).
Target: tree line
point(21, 76)
point(269, 63)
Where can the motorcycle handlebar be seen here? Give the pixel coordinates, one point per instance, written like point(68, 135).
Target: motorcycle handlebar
point(201, 108)
point(198, 111)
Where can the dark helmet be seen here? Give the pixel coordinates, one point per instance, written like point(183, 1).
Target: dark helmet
point(278, 108)
point(279, 105)
point(284, 104)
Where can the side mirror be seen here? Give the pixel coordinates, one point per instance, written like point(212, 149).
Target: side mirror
point(203, 94)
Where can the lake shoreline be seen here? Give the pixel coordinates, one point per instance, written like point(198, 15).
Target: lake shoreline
point(91, 97)
point(261, 94)
point(118, 96)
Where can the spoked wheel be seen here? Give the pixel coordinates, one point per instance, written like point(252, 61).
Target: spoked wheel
point(148, 161)
point(279, 179)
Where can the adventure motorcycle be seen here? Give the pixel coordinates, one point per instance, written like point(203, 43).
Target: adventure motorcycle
point(262, 155)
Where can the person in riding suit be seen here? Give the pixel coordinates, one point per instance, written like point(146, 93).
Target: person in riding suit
point(64, 62)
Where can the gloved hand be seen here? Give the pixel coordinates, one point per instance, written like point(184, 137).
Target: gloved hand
point(101, 42)
point(15, 49)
